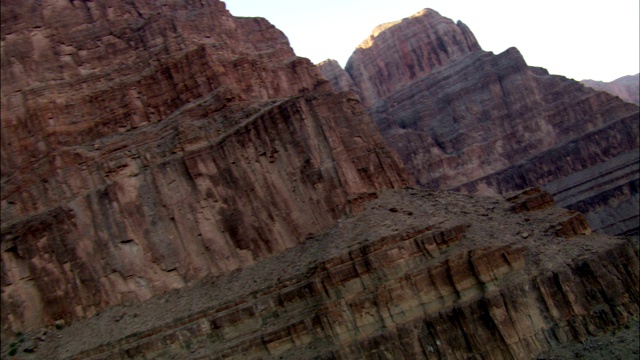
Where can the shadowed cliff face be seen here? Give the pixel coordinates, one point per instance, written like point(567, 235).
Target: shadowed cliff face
point(340, 80)
point(417, 274)
point(479, 122)
point(148, 144)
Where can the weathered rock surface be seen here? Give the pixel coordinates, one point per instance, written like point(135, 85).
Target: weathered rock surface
point(479, 122)
point(143, 150)
point(176, 183)
point(64, 60)
point(339, 79)
point(417, 275)
point(399, 52)
point(626, 88)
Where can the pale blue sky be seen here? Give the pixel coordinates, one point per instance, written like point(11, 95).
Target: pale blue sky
point(579, 39)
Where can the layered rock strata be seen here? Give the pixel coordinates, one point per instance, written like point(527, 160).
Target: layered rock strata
point(169, 174)
point(339, 79)
point(143, 150)
point(417, 275)
point(479, 122)
point(399, 52)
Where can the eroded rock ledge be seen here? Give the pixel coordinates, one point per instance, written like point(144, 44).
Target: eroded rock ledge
point(417, 274)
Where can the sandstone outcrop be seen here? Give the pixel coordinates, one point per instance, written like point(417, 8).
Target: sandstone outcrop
point(484, 123)
point(626, 88)
point(417, 274)
point(399, 52)
point(143, 150)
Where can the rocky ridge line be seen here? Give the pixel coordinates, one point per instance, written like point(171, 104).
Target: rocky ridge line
point(484, 123)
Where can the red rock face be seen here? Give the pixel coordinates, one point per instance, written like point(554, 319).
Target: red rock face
point(111, 68)
point(479, 122)
point(340, 79)
point(626, 87)
point(145, 146)
point(149, 144)
point(397, 53)
point(418, 274)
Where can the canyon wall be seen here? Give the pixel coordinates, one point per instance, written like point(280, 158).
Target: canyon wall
point(479, 122)
point(417, 274)
point(339, 79)
point(143, 150)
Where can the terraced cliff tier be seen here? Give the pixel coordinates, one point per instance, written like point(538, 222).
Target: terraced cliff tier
point(416, 275)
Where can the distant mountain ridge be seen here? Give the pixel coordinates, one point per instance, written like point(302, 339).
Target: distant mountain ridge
point(626, 88)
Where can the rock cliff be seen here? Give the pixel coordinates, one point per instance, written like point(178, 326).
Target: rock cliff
point(176, 183)
point(626, 87)
point(417, 274)
point(478, 122)
point(398, 52)
point(143, 150)
point(339, 79)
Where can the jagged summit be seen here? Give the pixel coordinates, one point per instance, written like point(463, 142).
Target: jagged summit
point(402, 51)
point(382, 27)
point(143, 150)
